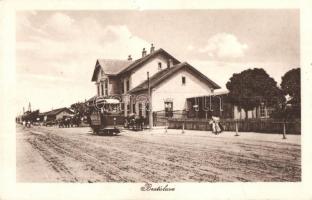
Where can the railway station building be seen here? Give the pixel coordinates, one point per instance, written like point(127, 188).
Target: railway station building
point(171, 82)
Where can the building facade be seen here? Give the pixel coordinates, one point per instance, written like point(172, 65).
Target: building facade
point(56, 114)
point(222, 106)
point(170, 81)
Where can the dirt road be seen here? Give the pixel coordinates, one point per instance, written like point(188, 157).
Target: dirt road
point(47, 154)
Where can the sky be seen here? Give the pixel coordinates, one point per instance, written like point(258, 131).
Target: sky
point(56, 51)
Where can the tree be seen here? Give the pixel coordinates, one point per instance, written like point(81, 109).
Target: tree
point(253, 86)
point(80, 109)
point(291, 86)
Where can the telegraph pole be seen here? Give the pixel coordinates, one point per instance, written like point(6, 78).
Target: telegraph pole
point(150, 113)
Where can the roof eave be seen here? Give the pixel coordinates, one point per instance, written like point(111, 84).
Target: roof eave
point(97, 65)
point(212, 83)
point(170, 73)
point(134, 65)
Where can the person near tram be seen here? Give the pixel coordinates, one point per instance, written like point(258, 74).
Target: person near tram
point(216, 125)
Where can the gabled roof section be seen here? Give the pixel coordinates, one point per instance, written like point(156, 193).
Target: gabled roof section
point(91, 99)
point(57, 111)
point(110, 66)
point(137, 63)
point(166, 73)
point(113, 66)
point(119, 67)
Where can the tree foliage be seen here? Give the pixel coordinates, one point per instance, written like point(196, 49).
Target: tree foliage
point(253, 86)
point(80, 109)
point(291, 85)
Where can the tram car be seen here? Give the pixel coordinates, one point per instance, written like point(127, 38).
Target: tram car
point(106, 116)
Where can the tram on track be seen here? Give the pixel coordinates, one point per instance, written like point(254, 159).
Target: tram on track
point(106, 116)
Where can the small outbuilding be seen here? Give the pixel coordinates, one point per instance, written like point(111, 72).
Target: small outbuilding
point(57, 114)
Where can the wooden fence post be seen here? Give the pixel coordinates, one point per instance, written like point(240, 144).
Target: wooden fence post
point(236, 128)
point(284, 130)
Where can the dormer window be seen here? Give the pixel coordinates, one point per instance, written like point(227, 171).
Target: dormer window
point(159, 66)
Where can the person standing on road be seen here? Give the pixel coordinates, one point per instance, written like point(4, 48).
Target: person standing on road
point(215, 123)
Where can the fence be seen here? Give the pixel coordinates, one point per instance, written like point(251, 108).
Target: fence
point(249, 125)
point(161, 118)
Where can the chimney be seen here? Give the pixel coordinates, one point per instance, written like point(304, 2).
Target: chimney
point(169, 63)
point(129, 57)
point(143, 52)
point(152, 48)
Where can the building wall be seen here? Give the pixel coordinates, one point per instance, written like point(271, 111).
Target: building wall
point(151, 66)
point(61, 114)
point(113, 86)
point(136, 77)
point(250, 114)
point(100, 78)
point(123, 82)
point(173, 89)
point(143, 104)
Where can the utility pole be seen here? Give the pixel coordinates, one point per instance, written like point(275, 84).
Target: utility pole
point(150, 113)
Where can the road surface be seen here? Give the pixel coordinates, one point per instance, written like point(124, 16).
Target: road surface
point(50, 154)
